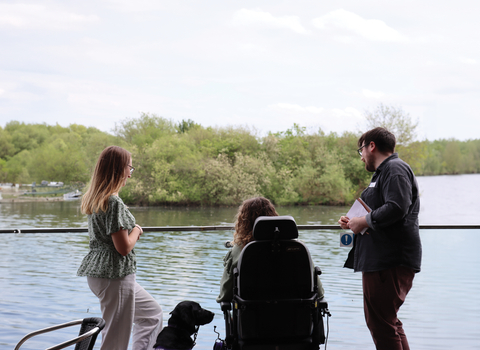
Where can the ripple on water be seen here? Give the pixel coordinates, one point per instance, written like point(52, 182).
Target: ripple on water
point(40, 287)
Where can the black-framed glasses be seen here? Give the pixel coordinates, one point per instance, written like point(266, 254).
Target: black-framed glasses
point(132, 169)
point(360, 150)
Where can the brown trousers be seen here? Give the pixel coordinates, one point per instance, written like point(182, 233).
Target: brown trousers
point(383, 294)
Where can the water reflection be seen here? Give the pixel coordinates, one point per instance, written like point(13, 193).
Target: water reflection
point(67, 214)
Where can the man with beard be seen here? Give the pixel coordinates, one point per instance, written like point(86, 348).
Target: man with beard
point(389, 253)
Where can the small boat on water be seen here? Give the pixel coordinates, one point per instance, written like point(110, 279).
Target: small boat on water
point(72, 195)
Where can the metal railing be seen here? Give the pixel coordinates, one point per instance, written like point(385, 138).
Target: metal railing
point(215, 228)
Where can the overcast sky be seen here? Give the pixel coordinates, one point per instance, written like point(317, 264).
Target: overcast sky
point(263, 64)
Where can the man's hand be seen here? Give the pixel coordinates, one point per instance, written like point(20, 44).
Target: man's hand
point(357, 224)
point(344, 222)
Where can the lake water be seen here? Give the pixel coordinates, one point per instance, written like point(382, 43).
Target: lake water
point(39, 286)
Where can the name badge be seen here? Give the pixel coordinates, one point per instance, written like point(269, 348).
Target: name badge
point(372, 184)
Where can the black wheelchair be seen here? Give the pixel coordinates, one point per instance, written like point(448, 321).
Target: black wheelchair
point(275, 303)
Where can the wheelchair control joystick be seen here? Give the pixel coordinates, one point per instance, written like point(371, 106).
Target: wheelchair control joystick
point(219, 343)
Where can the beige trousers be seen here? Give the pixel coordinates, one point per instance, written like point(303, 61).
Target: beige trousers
point(124, 302)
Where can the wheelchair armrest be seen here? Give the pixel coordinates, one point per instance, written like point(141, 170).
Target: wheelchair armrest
point(225, 306)
point(322, 304)
point(235, 280)
point(318, 271)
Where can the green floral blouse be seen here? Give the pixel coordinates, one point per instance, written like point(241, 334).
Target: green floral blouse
point(103, 260)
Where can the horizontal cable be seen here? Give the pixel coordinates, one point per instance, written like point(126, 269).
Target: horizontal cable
point(216, 228)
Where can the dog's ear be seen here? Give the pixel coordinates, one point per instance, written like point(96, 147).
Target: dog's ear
point(184, 312)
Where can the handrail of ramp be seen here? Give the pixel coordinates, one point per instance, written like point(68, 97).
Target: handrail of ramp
point(218, 228)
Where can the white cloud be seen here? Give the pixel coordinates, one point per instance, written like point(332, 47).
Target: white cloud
point(370, 29)
point(466, 60)
point(348, 112)
point(372, 94)
point(140, 5)
point(250, 47)
point(288, 108)
point(259, 17)
point(296, 108)
point(328, 119)
point(32, 15)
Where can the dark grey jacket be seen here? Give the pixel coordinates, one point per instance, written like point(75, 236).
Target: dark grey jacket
point(393, 237)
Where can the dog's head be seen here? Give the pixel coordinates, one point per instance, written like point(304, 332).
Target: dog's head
point(188, 314)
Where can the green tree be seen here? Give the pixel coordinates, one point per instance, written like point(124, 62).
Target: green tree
point(432, 164)
point(186, 125)
point(61, 159)
point(415, 154)
point(16, 168)
point(225, 140)
point(51, 152)
point(7, 148)
point(144, 129)
point(26, 136)
point(187, 164)
point(3, 173)
point(229, 183)
point(293, 148)
point(452, 157)
point(323, 181)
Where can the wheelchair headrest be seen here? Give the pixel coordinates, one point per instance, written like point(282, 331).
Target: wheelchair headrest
point(274, 227)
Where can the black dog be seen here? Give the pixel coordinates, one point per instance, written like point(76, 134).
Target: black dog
point(185, 319)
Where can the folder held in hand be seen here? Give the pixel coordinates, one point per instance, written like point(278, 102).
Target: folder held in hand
point(359, 209)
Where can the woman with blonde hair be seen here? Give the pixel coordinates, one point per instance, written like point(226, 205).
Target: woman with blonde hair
point(110, 265)
point(248, 212)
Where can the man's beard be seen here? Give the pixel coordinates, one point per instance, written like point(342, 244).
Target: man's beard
point(369, 164)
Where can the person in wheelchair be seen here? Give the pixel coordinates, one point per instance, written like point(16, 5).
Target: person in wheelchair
point(248, 212)
point(264, 315)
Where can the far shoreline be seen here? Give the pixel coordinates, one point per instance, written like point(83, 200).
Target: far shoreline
point(22, 199)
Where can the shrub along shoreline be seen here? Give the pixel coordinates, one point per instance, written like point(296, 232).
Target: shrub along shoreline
point(186, 164)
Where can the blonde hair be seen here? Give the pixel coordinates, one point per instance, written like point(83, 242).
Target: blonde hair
point(248, 212)
point(107, 179)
